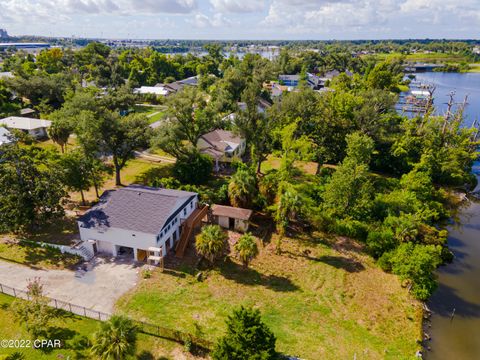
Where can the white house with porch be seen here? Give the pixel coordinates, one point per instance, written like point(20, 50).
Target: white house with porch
point(137, 222)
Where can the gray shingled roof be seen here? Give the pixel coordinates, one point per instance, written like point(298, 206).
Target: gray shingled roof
point(136, 208)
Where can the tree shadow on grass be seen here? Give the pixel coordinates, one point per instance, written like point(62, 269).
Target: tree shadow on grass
point(35, 254)
point(248, 276)
point(340, 262)
point(152, 176)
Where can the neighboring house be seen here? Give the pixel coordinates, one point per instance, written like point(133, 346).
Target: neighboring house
point(138, 222)
point(152, 90)
point(231, 217)
point(314, 81)
point(27, 112)
point(34, 127)
point(5, 136)
point(180, 84)
point(222, 145)
point(6, 75)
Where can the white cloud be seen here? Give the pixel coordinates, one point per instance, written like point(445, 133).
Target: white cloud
point(204, 21)
point(238, 6)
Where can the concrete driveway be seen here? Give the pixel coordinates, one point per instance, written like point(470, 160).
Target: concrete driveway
point(97, 289)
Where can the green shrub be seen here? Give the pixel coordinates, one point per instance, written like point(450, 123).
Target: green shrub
point(379, 242)
point(351, 228)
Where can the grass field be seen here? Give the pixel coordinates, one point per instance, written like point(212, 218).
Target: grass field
point(30, 254)
point(273, 162)
point(323, 299)
point(72, 330)
point(474, 68)
point(426, 57)
point(137, 171)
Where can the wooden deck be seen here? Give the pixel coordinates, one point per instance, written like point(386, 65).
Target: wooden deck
point(193, 220)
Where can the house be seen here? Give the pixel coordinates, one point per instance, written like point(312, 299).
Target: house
point(180, 84)
point(138, 222)
point(222, 145)
point(262, 106)
point(153, 90)
point(6, 75)
point(27, 112)
point(5, 136)
point(34, 127)
point(231, 217)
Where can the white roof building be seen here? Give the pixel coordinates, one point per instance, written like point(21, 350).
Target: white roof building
point(35, 127)
point(154, 90)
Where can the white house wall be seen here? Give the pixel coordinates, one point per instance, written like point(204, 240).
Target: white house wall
point(108, 238)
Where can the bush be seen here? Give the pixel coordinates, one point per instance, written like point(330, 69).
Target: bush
point(193, 168)
point(247, 337)
point(147, 274)
point(415, 264)
point(379, 242)
point(351, 228)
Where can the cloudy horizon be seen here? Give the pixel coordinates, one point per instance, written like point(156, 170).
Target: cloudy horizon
point(243, 19)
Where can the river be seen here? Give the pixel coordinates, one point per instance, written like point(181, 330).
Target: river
point(458, 337)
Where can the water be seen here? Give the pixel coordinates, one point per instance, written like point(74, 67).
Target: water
point(461, 84)
point(459, 282)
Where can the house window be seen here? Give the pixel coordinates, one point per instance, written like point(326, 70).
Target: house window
point(184, 211)
point(191, 205)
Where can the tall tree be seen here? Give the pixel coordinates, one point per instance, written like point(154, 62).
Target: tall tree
point(30, 189)
point(114, 135)
point(76, 172)
point(242, 187)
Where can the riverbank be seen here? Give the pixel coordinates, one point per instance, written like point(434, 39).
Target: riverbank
point(458, 293)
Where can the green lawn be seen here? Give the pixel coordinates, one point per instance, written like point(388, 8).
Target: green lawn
point(72, 330)
point(31, 254)
point(426, 57)
point(137, 171)
point(474, 68)
point(332, 303)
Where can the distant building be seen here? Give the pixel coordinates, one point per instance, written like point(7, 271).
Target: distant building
point(3, 34)
point(153, 90)
point(6, 75)
point(5, 136)
point(34, 127)
point(167, 89)
point(27, 112)
point(222, 145)
point(476, 50)
point(32, 46)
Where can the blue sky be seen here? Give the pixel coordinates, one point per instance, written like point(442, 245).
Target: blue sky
point(243, 19)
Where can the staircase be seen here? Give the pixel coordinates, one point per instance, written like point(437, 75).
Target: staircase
point(85, 253)
point(188, 226)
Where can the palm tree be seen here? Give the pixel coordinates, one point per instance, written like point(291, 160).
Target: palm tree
point(247, 248)
point(288, 206)
point(211, 242)
point(115, 339)
point(242, 188)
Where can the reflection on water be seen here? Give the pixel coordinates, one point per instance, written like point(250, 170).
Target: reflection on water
point(459, 282)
